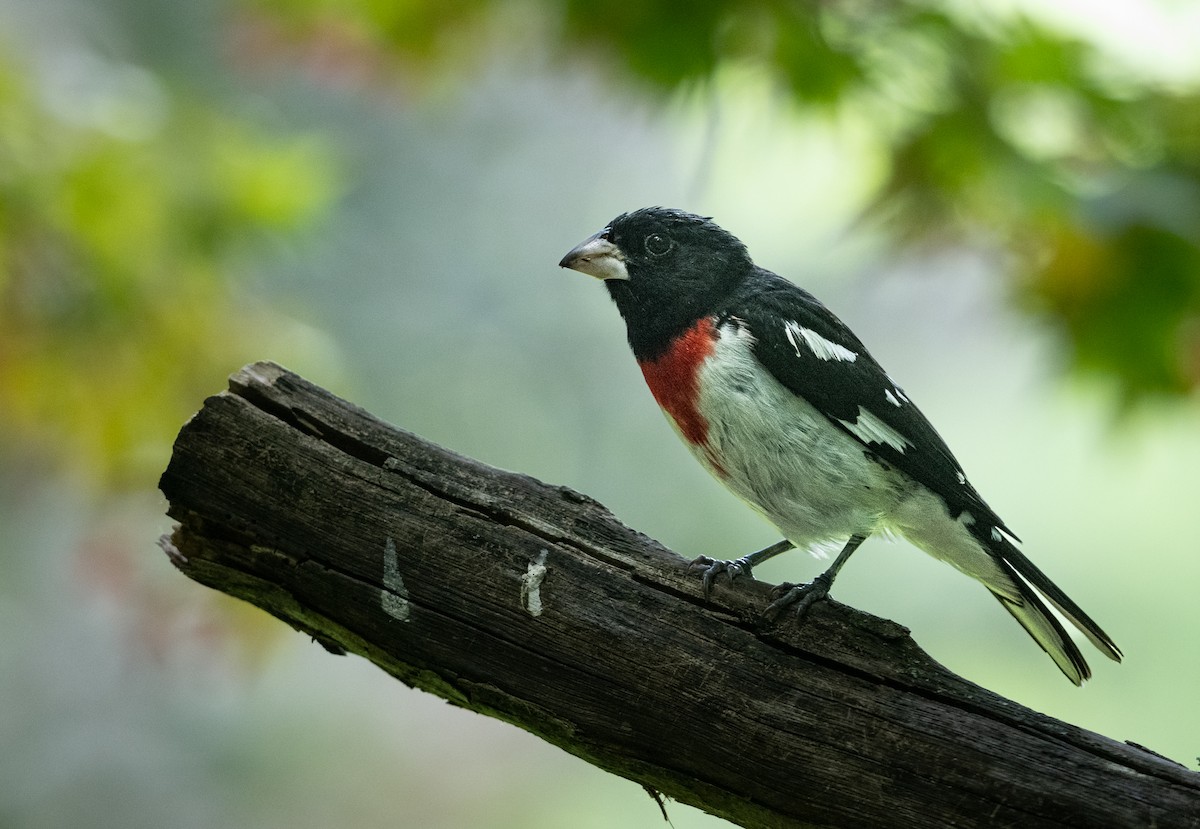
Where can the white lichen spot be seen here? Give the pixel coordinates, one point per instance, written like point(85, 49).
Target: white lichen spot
point(394, 595)
point(531, 584)
point(821, 348)
point(870, 429)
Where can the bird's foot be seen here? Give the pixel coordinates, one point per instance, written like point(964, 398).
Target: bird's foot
point(799, 596)
point(736, 568)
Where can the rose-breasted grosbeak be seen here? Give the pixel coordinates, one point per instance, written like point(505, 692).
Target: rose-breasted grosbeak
point(782, 403)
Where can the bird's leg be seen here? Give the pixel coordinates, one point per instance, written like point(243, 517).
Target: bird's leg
point(803, 596)
point(737, 567)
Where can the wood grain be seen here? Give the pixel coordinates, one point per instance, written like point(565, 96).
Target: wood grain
point(531, 603)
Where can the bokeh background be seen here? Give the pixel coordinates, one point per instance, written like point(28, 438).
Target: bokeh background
point(1003, 199)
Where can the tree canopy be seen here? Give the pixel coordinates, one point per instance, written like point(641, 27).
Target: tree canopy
point(129, 194)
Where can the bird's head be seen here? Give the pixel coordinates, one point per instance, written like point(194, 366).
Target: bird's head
point(664, 268)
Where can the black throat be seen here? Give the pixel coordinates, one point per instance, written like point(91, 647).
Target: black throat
point(656, 313)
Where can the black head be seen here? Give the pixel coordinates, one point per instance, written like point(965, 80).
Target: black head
point(664, 268)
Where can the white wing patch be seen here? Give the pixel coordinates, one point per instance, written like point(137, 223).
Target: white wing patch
point(891, 398)
point(999, 534)
point(821, 348)
point(870, 429)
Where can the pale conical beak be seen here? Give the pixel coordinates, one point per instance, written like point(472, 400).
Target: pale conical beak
point(598, 257)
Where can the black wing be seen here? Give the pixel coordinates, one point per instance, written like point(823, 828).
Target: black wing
point(812, 353)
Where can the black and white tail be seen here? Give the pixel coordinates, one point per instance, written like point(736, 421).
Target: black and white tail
point(1028, 608)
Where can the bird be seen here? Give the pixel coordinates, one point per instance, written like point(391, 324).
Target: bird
point(784, 405)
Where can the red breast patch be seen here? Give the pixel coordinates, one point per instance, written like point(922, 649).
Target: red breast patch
point(674, 378)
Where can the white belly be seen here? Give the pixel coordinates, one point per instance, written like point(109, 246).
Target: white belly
point(783, 457)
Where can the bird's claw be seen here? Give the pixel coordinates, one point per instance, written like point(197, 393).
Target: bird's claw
point(801, 596)
point(713, 567)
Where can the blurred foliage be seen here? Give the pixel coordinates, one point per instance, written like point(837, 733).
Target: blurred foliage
point(155, 157)
point(123, 209)
point(127, 202)
point(998, 128)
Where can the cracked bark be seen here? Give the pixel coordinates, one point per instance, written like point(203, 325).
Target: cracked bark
point(531, 603)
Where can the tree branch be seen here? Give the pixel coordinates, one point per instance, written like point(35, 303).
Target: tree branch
point(531, 603)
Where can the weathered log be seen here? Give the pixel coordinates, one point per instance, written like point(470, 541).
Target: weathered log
point(531, 603)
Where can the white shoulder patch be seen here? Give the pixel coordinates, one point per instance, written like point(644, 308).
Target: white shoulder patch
point(870, 429)
point(821, 348)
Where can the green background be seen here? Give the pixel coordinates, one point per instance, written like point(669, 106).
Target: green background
point(1001, 200)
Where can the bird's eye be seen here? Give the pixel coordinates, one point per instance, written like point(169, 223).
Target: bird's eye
point(657, 244)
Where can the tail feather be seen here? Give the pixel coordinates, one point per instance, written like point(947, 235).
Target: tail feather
point(1030, 573)
point(1045, 629)
point(1031, 586)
